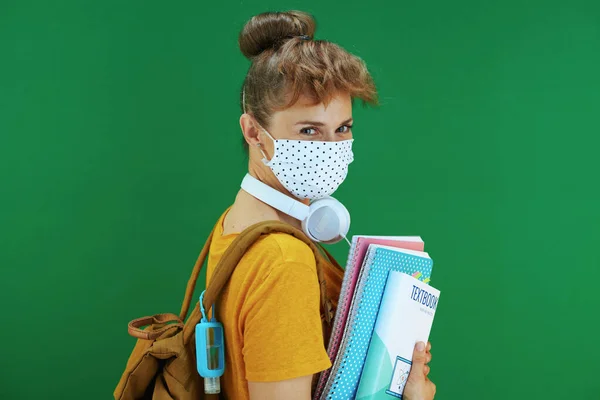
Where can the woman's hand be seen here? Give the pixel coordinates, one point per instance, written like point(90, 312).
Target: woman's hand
point(418, 386)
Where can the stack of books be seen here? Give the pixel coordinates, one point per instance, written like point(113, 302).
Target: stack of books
point(386, 305)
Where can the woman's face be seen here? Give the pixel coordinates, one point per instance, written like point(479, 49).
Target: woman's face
point(302, 121)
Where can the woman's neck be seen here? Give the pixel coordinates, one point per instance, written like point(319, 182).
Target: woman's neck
point(248, 210)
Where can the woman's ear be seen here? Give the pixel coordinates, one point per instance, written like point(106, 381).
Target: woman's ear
point(250, 129)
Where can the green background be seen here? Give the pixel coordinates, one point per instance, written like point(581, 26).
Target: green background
point(119, 121)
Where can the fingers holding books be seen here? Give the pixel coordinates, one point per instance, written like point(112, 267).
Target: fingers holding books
point(418, 385)
point(426, 368)
point(419, 360)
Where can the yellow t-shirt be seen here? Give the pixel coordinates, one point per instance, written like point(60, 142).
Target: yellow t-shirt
point(270, 311)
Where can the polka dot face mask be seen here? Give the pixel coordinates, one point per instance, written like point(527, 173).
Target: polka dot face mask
point(310, 169)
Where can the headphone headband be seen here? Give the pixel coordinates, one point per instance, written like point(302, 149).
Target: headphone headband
point(277, 200)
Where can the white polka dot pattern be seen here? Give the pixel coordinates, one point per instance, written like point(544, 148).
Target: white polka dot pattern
point(311, 169)
point(344, 383)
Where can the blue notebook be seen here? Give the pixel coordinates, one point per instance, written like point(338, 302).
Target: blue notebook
point(379, 261)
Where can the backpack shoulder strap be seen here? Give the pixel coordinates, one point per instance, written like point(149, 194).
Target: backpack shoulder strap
point(232, 257)
point(191, 285)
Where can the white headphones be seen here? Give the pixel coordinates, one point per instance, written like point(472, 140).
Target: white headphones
point(324, 220)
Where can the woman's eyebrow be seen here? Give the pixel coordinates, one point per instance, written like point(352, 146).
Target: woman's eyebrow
point(317, 123)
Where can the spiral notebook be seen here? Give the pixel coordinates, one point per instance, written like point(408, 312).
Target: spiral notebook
point(343, 379)
point(356, 255)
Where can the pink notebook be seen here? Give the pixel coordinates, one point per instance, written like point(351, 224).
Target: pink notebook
point(356, 255)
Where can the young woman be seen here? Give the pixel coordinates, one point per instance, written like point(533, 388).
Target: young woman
point(298, 93)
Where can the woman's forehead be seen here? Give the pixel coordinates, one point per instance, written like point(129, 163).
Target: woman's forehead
point(337, 109)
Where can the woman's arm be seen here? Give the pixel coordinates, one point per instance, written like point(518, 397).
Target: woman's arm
point(291, 389)
point(283, 344)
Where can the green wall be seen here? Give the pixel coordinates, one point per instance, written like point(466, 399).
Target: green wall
point(118, 119)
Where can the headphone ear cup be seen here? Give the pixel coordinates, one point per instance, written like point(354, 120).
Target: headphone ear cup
point(328, 221)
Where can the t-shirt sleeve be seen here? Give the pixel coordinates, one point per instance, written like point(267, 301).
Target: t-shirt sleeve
point(283, 336)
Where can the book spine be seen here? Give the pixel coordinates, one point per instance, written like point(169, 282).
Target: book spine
point(338, 325)
point(343, 300)
point(330, 392)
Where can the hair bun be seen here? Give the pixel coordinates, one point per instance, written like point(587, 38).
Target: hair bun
point(271, 29)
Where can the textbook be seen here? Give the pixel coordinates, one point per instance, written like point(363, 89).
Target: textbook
point(356, 256)
point(344, 375)
point(405, 317)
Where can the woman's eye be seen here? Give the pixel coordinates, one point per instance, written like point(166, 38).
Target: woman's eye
point(308, 131)
point(344, 128)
